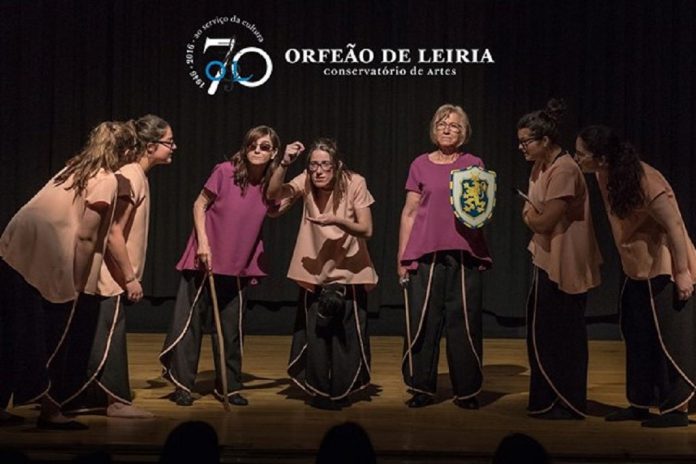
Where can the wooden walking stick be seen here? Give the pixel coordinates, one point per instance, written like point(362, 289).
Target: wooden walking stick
point(220, 343)
point(404, 283)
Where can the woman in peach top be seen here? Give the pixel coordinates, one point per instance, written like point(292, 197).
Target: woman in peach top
point(47, 250)
point(330, 355)
point(90, 364)
point(566, 262)
point(659, 260)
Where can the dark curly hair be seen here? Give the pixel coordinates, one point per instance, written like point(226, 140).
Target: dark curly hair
point(625, 170)
point(546, 122)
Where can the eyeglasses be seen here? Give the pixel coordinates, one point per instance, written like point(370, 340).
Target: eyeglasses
point(263, 146)
point(526, 142)
point(453, 127)
point(324, 165)
point(167, 143)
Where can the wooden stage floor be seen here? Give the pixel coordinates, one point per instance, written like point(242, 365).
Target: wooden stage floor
point(278, 427)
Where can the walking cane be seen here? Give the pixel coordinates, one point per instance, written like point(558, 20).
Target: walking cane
point(404, 283)
point(221, 344)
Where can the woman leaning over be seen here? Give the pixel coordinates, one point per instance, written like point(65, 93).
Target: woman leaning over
point(659, 261)
point(90, 366)
point(47, 250)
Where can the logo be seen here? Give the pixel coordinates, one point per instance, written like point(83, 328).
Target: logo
point(472, 195)
point(225, 54)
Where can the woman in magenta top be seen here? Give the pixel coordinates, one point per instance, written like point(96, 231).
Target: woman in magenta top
point(439, 261)
point(228, 216)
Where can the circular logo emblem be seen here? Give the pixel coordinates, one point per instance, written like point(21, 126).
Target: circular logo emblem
point(225, 54)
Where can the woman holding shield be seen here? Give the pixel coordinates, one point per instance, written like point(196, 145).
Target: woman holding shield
point(439, 263)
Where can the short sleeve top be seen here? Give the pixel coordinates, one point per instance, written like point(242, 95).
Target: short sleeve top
point(327, 254)
point(39, 241)
point(569, 253)
point(233, 224)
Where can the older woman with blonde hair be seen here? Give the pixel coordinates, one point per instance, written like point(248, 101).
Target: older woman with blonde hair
point(439, 263)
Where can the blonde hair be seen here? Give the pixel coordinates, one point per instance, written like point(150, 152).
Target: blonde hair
point(110, 145)
point(441, 113)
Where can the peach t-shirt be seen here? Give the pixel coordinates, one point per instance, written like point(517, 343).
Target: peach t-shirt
point(569, 254)
point(641, 241)
point(39, 241)
point(133, 187)
point(325, 254)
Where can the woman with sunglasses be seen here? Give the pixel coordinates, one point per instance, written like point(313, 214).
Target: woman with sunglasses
point(47, 250)
point(566, 262)
point(330, 353)
point(439, 264)
point(226, 242)
point(659, 260)
point(91, 362)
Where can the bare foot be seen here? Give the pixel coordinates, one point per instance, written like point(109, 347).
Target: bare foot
point(127, 411)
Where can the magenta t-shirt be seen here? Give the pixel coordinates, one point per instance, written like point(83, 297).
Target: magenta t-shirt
point(233, 224)
point(435, 227)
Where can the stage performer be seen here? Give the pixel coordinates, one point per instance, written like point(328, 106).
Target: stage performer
point(90, 366)
point(439, 263)
point(330, 353)
point(226, 241)
point(47, 250)
point(659, 261)
point(566, 261)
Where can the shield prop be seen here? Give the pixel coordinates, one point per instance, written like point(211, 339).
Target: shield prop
point(472, 195)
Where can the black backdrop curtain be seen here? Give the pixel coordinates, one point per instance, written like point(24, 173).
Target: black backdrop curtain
point(67, 65)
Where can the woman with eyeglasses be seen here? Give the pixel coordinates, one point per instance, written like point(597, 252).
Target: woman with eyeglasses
point(90, 364)
point(439, 264)
point(47, 250)
point(226, 242)
point(659, 261)
point(330, 354)
point(566, 261)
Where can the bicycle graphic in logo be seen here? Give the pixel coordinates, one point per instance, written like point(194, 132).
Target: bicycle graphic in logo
point(229, 68)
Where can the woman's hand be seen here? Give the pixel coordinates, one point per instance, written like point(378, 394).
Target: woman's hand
point(204, 257)
point(292, 151)
point(134, 290)
point(402, 272)
point(685, 285)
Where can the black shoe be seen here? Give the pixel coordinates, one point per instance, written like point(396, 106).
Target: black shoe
point(238, 400)
point(630, 413)
point(44, 424)
point(181, 397)
point(671, 419)
point(467, 403)
point(10, 420)
point(420, 400)
point(558, 412)
point(322, 402)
